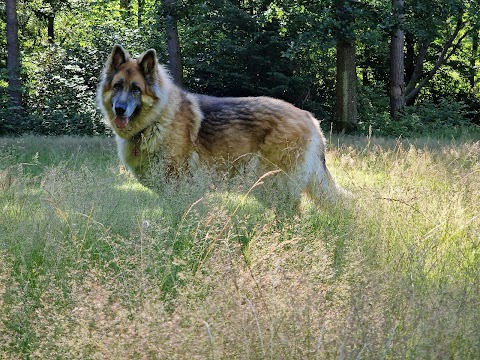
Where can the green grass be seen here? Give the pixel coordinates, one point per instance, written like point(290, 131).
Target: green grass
point(95, 266)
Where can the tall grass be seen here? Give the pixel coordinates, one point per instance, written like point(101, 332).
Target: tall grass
point(95, 266)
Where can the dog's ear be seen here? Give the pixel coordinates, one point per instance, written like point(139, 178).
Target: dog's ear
point(118, 57)
point(148, 64)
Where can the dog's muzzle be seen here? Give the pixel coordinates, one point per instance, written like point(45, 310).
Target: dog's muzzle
point(121, 120)
point(123, 114)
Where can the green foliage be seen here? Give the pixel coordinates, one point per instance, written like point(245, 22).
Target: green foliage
point(4, 102)
point(243, 54)
point(372, 108)
point(61, 91)
point(235, 48)
point(427, 118)
point(447, 117)
point(11, 116)
point(434, 13)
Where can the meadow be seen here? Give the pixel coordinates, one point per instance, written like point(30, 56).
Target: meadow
point(95, 266)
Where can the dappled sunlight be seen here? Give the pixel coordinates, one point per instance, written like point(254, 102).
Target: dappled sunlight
point(233, 200)
point(116, 242)
point(88, 249)
point(133, 187)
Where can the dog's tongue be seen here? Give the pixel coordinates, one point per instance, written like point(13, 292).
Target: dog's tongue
point(121, 122)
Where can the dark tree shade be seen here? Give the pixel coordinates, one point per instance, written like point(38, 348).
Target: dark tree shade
point(173, 43)
point(397, 62)
point(345, 88)
point(346, 73)
point(13, 56)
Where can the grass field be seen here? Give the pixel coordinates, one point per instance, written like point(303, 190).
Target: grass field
point(95, 266)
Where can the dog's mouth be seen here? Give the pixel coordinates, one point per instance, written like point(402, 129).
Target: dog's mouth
point(122, 121)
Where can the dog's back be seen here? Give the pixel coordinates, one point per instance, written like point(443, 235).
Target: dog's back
point(275, 129)
point(155, 121)
point(283, 137)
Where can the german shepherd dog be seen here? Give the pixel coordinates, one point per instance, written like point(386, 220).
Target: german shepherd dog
point(156, 121)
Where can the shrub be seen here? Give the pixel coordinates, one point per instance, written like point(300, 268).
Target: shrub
point(60, 94)
point(372, 109)
point(444, 116)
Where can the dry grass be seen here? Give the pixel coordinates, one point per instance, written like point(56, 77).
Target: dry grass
point(94, 266)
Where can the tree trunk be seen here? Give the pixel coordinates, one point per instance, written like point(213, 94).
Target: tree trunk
point(51, 29)
point(13, 56)
point(126, 6)
point(345, 87)
point(474, 57)
point(173, 42)
point(397, 63)
point(409, 56)
point(141, 5)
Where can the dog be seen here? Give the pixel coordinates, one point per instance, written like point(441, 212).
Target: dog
point(155, 121)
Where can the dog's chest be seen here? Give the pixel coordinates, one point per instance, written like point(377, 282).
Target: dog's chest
point(138, 153)
point(143, 150)
point(130, 153)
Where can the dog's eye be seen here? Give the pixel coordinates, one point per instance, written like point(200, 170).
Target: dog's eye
point(136, 89)
point(118, 86)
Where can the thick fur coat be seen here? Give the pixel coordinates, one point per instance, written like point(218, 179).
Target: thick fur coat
point(156, 121)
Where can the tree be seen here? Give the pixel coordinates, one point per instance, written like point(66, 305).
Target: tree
point(126, 6)
point(13, 55)
point(235, 48)
point(48, 9)
point(428, 39)
point(397, 64)
point(474, 55)
point(173, 42)
point(346, 76)
point(345, 86)
point(140, 13)
point(285, 49)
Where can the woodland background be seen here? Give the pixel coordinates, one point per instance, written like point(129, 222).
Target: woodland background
point(95, 266)
point(396, 68)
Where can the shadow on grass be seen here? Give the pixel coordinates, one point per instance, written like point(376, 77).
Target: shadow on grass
point(68, 208)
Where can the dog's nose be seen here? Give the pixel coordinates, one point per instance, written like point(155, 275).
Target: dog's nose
point(120, 108)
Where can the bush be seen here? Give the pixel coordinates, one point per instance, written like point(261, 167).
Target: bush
point(373, 107)
point(4, 103)
point(444, 116)
point(11, 116)
point(60, 92)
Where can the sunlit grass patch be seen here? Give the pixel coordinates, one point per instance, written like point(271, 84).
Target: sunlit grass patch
point(132, 187)
point(94, 265)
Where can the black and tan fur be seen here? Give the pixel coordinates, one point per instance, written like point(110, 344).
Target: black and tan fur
point(154, 120)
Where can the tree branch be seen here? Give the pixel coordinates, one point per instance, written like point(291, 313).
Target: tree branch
point(418, 69)
point(442, 57)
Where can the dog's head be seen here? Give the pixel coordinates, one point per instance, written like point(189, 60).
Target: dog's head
point(129, 89)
